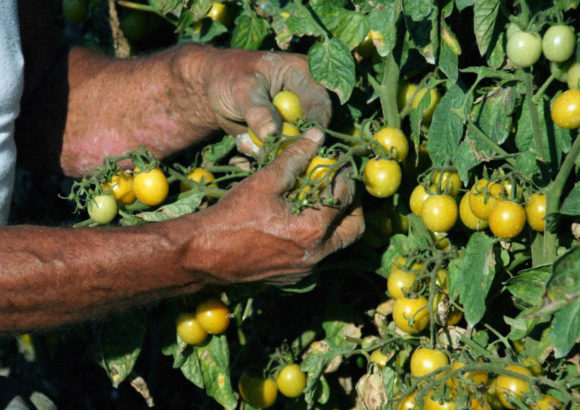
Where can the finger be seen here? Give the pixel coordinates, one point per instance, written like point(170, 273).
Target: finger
point(293, 161)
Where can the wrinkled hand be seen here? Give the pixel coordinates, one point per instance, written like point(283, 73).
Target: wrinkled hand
point(253, 234)
point(241, 85)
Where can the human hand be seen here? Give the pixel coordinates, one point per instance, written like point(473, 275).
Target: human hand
point(251, 233)
point(241, 85)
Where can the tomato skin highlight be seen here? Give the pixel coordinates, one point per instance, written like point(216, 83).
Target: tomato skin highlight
point(439, 213)
point(102, 209)
point(565, 110)
point(536, 212)
point(407, 308)
point(507, 219)
point(213, 315)
point(291, 381)
point(150, 187)
point(382, 177)
point(190, 330)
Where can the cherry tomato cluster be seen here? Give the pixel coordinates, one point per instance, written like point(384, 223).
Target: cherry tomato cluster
point(211, 317)
point(262, 392)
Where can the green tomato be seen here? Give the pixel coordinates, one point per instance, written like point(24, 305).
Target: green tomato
point(524, 48)
point(102, 209)
point(574, 76)
point(558, 43)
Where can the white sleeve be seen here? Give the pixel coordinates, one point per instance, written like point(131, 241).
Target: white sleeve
point(11, 84)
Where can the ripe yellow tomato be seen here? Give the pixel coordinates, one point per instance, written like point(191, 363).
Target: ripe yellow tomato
point(393, 142)
point(468, 217)
point(409, 92)
point(447, 182)
point(566, 109)
point(121, 186)
point(150, 187)
point(199, 175)
point(439, 213)
point(189, 329)
point(425, 361)
point(483, 197)
point(256, 391)
point(408, 403)
point(291, 381)
point(478, 378)
point(547, 402)
point(431, 403)
point(401, 279)
point(536, 211)
point(406, 310)
point(378, 357)
point(213, 315)
point(382, 177)
point(288, 130)
point(507, 219)
point(319, 167)
point(219, 12)
point(288, 105)
point(507, 385)
point(418, 197)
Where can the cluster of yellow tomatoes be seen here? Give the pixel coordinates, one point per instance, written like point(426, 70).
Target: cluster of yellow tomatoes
point(494, 204)
point(483, 391)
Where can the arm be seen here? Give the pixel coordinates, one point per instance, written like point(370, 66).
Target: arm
point(54, 276)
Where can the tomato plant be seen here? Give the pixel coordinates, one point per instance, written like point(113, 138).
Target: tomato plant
point(477, 104)
point(425, 361)
point(199, 175)
point(508, 385)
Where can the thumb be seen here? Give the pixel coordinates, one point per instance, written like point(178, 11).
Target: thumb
point(294, 160)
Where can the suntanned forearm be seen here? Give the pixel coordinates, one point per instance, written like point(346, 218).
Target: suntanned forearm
point(55, 276)
point(139, 101)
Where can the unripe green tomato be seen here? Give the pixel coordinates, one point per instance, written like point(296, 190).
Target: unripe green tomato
point(560, 70)
point(75, 11)
point(524, 48)
point(574, 76)
point(558, 43)
point(103, 209)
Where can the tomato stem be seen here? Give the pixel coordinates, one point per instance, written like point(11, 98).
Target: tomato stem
point(553, 194)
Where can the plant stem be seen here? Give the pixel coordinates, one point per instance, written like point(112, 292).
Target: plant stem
point(553, 194)
point(388, 92)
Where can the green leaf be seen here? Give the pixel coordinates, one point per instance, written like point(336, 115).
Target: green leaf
point(449, 51)
point(465, 159)
point(565, 281)
point(336, 332)
point(567, 4)
point(484, 19)
point(215, 152)
point(526, 163)
point(419, 235)
point(423, 27)
point(446, 128)
point(348, 26)
point(170, 6)
point(418, 10)
point(301, 22)
point(529, 285)
point(384, 21)
point(214, 359)
point(183, 206)
point(331, 64)
point(571, 204)
point(186, 360)
point(121, 339)
point(494, 117)
point(249, 32)
point(477, 271)
point(463, 4)
point(565, 329)
point(398, 245)
point(521, 326)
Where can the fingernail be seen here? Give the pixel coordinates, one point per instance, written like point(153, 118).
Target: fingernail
point(315, 135)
